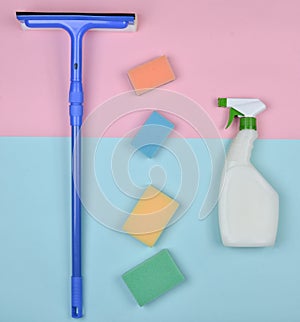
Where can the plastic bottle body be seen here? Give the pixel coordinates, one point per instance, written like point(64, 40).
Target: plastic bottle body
point(248, 204)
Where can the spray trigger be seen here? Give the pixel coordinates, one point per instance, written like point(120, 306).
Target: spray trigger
point(232, 114)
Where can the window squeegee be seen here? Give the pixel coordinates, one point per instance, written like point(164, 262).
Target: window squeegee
point(77, 24)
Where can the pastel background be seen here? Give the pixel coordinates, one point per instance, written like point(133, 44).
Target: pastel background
point(217, 48)
point(222, 284)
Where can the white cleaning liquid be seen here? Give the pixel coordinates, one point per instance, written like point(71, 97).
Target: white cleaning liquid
point(248, 205)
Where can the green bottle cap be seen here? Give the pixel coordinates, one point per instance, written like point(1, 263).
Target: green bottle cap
point(247, 123)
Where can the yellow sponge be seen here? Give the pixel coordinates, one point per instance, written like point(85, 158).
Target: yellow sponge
point(150, 216)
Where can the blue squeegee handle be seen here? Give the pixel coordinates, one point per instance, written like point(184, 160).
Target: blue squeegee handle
point(76, 290)
point(76, 30)
point(76, 113)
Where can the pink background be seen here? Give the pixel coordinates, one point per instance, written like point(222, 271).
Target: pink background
point(217, 48)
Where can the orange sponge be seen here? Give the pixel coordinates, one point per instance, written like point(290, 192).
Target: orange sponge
point(152, 74)
point(150, 216)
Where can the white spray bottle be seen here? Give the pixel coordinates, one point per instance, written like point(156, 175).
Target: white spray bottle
point(248, 205)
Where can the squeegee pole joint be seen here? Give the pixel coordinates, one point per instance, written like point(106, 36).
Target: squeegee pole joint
point(76, 90)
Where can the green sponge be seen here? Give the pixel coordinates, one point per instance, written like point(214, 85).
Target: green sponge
point(153, 277)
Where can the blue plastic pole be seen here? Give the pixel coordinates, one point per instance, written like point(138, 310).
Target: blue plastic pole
point(76, 225)
point(76, 112)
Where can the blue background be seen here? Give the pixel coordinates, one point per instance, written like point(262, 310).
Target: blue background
point(222, 284)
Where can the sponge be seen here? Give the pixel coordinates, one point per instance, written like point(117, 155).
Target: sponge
point(150, 216)
point(152, 74)
point(153, 277)
point(152, 134)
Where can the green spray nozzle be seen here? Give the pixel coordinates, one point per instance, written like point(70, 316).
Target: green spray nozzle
point(244, 108)
point(232, 114)
point(222, 102)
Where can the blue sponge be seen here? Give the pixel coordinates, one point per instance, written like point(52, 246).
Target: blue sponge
point(152, 134)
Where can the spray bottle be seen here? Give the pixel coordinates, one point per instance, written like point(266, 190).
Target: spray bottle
point(248, 205)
